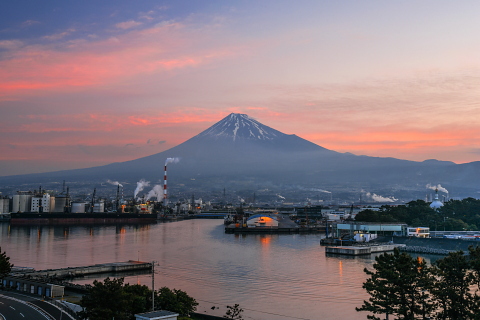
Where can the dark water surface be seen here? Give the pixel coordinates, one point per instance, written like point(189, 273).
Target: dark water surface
point(270, 276)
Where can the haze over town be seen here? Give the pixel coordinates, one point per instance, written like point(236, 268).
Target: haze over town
point(86, 83)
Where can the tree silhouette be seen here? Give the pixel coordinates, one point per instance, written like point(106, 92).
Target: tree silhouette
point(234, 312)
point(5, 265)
point(398, 286)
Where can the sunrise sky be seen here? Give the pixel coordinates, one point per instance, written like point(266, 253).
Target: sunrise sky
point(86, 83)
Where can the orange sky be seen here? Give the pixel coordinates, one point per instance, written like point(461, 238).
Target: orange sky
point(80, 91)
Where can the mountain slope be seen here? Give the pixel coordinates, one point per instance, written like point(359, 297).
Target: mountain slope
point(239, 150)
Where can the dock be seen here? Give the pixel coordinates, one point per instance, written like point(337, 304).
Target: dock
point(285, 225)
point(72, 272)
point(262, 230)
point(360, 250)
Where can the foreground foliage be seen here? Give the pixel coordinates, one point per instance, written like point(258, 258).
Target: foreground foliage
point(5, 265)
point(234, 312)
point(406, 288)
point(175, 300)
point(112, 299)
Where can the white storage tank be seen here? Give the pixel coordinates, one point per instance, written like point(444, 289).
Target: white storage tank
point(21, 202)
point(4, 205)
point(78, 207)
point(60, 203)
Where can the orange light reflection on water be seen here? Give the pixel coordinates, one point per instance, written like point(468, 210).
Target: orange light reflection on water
point(340, 270)
point(266, 240)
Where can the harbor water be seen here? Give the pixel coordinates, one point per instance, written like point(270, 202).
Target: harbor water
point(285, 276)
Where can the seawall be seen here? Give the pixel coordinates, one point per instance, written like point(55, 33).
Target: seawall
point(433, 243)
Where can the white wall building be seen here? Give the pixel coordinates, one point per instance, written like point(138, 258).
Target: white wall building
point(42, 204)
point(419, 232)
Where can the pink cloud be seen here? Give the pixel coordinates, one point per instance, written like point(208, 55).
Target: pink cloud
point(58, 36)
point(128, 24)
point(10, 44)
point(87, 64)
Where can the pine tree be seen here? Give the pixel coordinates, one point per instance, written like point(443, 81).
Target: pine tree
point(398, 286)
point(452, 290)
point(5, 265)
point(234, 312)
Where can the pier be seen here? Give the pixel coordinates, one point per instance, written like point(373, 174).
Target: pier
point(72, 272)
point(360, 250)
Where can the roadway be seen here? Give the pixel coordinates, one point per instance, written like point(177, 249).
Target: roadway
point(15, 306)
point(13, 310)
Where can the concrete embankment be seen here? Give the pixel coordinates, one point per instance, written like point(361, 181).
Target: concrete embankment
point(440, 246)
point(360, 250)
point(94, 269)
point(433, 244)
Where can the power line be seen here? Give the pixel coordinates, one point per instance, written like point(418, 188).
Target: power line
point(314, 297)
point(271, 313)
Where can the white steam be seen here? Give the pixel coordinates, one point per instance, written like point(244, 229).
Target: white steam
point(115, 183)
point(439, 187)
point(319, 190)
point(140, 186)
point(172, 160)
point(377, 198)
point(155, 192)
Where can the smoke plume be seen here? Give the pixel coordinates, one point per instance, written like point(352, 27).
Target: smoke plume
point(156, 191)
point(377, 198)
point(172, 160)
point(115, 183)
point(319, 190)
point(439, 187)
point(140, 186)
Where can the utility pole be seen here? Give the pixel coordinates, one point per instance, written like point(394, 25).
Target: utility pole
point(153, 286)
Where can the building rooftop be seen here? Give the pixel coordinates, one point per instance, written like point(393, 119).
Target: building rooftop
point(154, 315)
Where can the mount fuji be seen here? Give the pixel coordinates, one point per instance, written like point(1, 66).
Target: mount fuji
point(240, 152)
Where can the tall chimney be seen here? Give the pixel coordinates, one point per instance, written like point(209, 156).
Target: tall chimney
point(165, 188)
point(117, 201)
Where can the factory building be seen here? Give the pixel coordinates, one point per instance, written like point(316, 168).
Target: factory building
point(42, 203)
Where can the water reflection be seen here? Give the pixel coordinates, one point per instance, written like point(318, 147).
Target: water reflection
point(273, 276)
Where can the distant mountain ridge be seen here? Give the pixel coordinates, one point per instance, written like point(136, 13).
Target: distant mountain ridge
point(241, 152)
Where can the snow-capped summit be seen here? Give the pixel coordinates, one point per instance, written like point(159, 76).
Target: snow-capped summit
point(241, 132)
point(240, 126)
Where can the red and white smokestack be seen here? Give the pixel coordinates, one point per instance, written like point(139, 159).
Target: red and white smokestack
point(165, 187)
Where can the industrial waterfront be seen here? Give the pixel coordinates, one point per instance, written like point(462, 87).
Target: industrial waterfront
point(282, 276)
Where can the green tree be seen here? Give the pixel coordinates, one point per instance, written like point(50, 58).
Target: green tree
point(451, 290)
point(5, 265)
point(175, 300)
point(139, 298)
point(234, 312)
point(398, 286)
point(367, 215)
point(112, 299)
